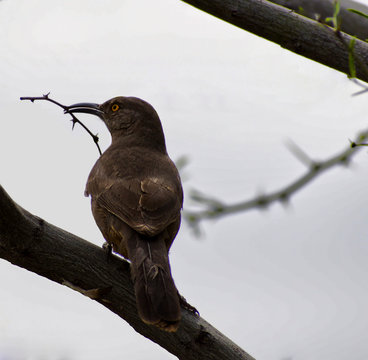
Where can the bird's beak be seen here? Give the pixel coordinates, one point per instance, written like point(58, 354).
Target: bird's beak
point(87, 108)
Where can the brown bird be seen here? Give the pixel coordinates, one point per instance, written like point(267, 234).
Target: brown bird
point(136, 198)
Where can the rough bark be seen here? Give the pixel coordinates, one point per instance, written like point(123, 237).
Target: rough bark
point(292, 31)
point(352, 23)
point(32, 243)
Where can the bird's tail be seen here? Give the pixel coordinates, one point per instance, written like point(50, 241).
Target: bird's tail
point(156, 295)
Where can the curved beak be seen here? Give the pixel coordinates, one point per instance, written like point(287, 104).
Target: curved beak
point(87, 108)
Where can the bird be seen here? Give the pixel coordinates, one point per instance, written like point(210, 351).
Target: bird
point(136, 200)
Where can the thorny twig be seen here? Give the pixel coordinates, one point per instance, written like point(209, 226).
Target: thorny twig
point(74, 120)
point(214, 208)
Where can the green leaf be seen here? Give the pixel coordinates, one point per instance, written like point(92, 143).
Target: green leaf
point(352, 69)
point(336, 18)
point(301, 10)
point(358, 13)
point(337, 8)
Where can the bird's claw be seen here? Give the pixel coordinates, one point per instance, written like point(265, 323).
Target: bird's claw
point(108, 249)
point(185, 305)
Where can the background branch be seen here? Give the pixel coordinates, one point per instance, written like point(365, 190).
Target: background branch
point(292, 31)
point(215, 208)
point(32, 243)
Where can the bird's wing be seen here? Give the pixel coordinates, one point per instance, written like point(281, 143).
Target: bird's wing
point(148, 205)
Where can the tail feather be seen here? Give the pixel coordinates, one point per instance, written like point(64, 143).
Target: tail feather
point(156, 295)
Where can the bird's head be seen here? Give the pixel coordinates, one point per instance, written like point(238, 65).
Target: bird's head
point(129, 119)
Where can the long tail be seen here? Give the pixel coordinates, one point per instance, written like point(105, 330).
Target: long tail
point(156, 295)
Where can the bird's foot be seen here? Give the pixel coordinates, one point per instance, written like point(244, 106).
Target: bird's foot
point(108, 250)
point(185, 305)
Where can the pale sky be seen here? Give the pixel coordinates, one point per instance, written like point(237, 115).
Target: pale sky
point(282, 283)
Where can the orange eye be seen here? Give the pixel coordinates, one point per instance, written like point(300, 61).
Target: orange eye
point(115, 107)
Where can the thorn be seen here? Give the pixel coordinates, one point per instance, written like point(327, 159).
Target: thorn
point(262, 201)
point(192, 218)
point(74, 121)
point(299, 153)
point(284, 198)
point(345, 160)
point(315, 166)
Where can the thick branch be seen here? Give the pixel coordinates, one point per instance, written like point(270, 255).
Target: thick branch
point(292, 31)
point(215, 208)
point(32, 243)
point(352, 23)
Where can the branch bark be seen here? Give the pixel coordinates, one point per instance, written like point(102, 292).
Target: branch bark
point(352, 24)
point(31, 243)
point(292, 31)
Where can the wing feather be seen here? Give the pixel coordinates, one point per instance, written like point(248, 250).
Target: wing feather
point(148, 205)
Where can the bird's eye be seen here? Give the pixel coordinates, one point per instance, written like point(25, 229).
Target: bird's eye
point(115, 107)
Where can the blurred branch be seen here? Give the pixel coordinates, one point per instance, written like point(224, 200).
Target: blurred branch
point(365, 87)
point(33, 244)
point(214, 208)
point(299, 34)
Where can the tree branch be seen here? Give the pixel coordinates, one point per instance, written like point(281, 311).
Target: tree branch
point(215, 208)
point(352, 24)
point(292, 31)
point(32, 243)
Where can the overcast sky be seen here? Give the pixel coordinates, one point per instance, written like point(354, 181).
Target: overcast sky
point(283, 283)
